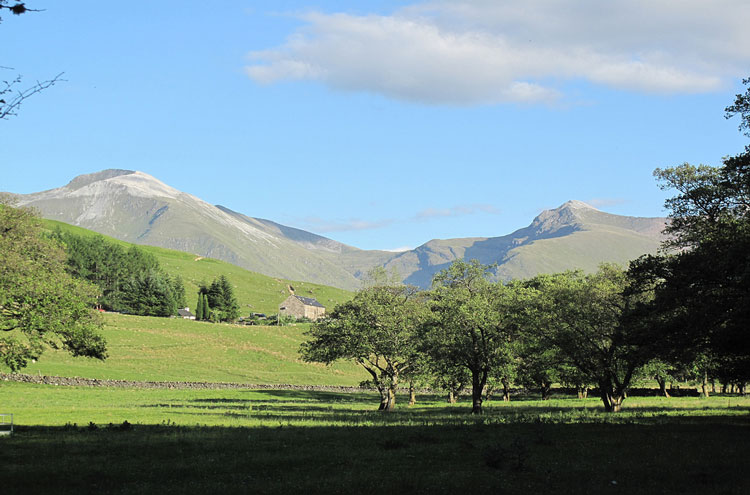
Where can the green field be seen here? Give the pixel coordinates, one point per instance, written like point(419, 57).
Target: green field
point(274, 441)
point(172, 349)
point(256, 293)
point(71, 439)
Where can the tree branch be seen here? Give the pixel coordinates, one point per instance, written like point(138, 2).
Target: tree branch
point(9, 106)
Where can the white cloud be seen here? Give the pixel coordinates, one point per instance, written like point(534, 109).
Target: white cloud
point(484, 51)
point(604, 202)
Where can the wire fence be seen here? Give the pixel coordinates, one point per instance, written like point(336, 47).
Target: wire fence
point(6, 424)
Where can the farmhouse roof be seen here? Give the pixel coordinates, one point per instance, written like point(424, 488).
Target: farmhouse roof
point(184, 312)
point(309, 301)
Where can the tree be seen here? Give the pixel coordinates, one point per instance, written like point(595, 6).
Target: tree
point(199, 307)
point(130, 280)
point(220, 298)
point(448, 376)
point(701, 278)
point(585, 316)
point(150, 293)
point(15, 8)
point(41, 305)
point(473, 322)
point(377, 330)
point(206, 309)
point(11, 97)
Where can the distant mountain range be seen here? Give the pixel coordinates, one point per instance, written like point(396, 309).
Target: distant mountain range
point(136, 207)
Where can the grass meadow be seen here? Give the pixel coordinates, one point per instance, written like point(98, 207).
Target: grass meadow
point(74, 439)
point(172, 349)
point(111, 440)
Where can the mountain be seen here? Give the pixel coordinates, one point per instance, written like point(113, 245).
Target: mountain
point(573, 236)
point(136, 207)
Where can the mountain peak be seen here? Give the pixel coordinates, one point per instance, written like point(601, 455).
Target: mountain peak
point(86, 179)
point(578, 205)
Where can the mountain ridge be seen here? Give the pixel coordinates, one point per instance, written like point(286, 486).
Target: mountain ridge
point(134, 206)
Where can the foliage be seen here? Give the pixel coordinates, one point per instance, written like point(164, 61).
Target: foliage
point(150, 293)
point(474, 322)
point(220, 304)
point(40, 304)
point(377, 330)
point(702, 285)
point(199, 307)
point(584, 316)
point(261, 293)
point(131, 279)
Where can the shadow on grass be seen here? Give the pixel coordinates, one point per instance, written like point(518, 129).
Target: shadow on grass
point(515, 458)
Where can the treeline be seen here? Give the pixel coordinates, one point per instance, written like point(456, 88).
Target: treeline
point(216, 302)
point(683, 313)
point(131, 280)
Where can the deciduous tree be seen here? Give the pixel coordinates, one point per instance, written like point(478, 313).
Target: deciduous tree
point(377, 329)
point(585, 317)
point(701, 280)
point(41, 305)
point(474, 322)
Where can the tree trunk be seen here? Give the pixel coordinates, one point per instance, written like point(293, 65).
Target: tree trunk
point(611, 397)
point(741, 388)
point(451, 397)
point(478, 381)
point(704, 385)
point(583, 392)
point(383, 399)
point(489, 391)
point(506, 389)
point(412, 394)
point(723, 388)
point(545, 388)
point(662, 387)
point(390, 402)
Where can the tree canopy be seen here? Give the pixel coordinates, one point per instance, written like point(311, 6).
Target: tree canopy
point(702, 279)
point(41, 305)
point(377, 329)
point(220, 303)
point(473, 322)
point(131, 280)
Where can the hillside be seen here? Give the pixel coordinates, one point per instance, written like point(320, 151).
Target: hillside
point(144, 348)
point(136, 207)
point(573, 236)
point(256, 293)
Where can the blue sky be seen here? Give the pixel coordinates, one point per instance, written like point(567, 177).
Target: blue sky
point(379, 124)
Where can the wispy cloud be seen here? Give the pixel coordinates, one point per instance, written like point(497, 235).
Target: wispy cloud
point(316, 224)
point(604, 202)
point(484, 51)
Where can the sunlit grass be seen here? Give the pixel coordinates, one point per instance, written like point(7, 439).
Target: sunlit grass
point(173, 349)
point(92, 440)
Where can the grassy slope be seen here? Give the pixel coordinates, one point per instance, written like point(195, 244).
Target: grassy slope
point(584, 249)
point(172, 349)
point(255, 292)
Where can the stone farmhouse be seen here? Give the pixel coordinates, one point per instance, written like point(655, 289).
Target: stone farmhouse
point(185, 313)
point(302, 307)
